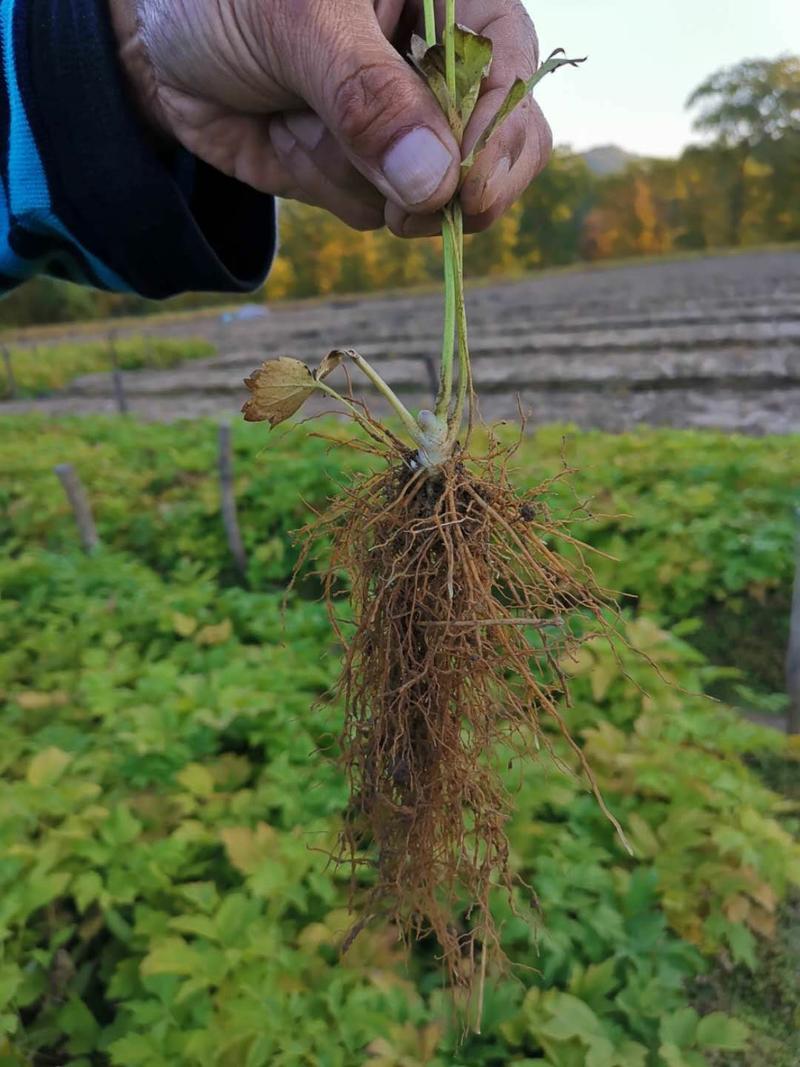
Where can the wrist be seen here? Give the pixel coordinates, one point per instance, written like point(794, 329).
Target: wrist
point(136, 67)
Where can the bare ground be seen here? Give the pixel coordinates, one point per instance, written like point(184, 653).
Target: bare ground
point(709, 342)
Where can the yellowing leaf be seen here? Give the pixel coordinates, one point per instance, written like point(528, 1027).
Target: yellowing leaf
point(764, 894)
point(762, 922)
point(737, 908)
point(197, 779)
point(172, 956)
point(430, 62)
point(47, 767)
point(602, 677)
point(473, 63)
point(33, 701)
point(215, 635)
point(313, 936)
point(280, 387)
point(643, 837)
point(247, 849)
point(183, 625)
point(581, 661)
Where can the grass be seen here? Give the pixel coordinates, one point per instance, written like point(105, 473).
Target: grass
point(41, 371)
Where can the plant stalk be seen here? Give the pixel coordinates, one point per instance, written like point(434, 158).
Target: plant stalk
point(450, 48)
point(455, 321)
point(449, 335)
point(464, 397)
point(430, 23)
point(408, 420)
point(358, 416)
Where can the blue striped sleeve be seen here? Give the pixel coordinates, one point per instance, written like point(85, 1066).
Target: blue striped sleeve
point(84, 192)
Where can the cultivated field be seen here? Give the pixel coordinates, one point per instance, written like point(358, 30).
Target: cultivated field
point(711, 342)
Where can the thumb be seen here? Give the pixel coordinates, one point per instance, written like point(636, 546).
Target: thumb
point(381, 112)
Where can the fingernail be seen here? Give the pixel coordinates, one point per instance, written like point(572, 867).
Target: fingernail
point(283, 141)
point(416, 165)
point(493, 189)
point(308, 129)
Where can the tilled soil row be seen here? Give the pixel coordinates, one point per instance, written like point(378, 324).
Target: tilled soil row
point(702, 343)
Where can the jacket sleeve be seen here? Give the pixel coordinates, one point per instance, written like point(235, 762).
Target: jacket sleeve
point(85, 195)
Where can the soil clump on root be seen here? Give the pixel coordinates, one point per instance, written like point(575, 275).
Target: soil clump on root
point(462, 611)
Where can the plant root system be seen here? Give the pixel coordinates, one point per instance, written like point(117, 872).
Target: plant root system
point(463, 614)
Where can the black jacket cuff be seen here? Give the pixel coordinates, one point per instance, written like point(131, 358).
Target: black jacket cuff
point(116, 195)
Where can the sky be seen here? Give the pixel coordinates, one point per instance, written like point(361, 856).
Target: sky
point(645, 58)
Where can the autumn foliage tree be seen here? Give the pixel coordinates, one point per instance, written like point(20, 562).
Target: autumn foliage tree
point(737, 187)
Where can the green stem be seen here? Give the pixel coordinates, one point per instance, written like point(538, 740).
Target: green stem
point(430, 23)
point(371, 428)
point(408, 420)
point(449, 336)
point(455, 319)
point(450, 48)
point(464, 396)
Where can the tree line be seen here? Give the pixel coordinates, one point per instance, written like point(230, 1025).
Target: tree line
point(739, 188)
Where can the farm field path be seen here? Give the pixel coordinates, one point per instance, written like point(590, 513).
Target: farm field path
point(712, 342)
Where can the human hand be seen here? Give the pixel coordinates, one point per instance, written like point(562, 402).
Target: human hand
point(312, 100)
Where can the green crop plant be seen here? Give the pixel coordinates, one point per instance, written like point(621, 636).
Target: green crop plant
point(168, 776)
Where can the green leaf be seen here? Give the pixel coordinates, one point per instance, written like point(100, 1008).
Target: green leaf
point(199, 925)
point(10, 979)
point(516, 94)
point(121, 827)
point(672, 1056)
point(600, 1052)
point(197, 779)
point(679, 1028)
point(134, 1050)
point(718, 1030)
point(743, 945)
point(203, 895)
point(631, 1054)
point(594, 983)
point(172, 956)
point(473, 63)
point(86, 888)
point(80, 1025)
point(570, 1017)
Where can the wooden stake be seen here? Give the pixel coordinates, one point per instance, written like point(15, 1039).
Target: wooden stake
point(229, 515)
point(79, 502)
point(793, 652)
point(433, 377)
point(116, 377)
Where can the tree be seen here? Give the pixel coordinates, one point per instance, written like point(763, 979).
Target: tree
point(750, 104)
point(753, 112)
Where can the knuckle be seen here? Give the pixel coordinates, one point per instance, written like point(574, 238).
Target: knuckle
point(367, 223)
point(367, 100)
point(481, 223)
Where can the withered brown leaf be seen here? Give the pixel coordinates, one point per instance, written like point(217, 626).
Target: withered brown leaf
point(330, 363)
point(279, 388)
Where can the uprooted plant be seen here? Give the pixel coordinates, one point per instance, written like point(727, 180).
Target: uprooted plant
point(462, 610)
